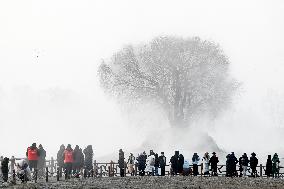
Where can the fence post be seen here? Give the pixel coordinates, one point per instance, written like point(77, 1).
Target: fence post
point(124, 165)
point(35, 175)
point(46, 174)
point(58, 174)
point(109, 170)
point(95, 168)
point(14, 177)
point(260, 172)
point(92, 173)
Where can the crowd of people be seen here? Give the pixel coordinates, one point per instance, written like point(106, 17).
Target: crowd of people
point(153, 164)
point(72, 162)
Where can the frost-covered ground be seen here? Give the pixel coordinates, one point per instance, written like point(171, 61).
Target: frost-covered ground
point(160, 182)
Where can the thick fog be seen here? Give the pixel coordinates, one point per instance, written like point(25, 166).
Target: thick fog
point(49, 89)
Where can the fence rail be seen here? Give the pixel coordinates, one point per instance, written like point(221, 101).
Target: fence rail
point(112, 170)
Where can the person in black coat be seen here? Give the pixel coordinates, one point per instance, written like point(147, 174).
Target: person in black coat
point(214, 162)
point(121, 162)
point(268, 170)
point(156, 165)
point(180, 163)
point(174, 163)
point(142, 163)
point(162, 162)
point(5, 168)
point(234, 161)
point(253, 164)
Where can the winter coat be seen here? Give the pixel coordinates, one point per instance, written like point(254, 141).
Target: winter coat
point(156, 161)
point(244, 161)
point(205, 162)
point(253, 161)
point(60, 158)
point(88, 158)
point(41, 159)
point(186, 164)
point(174, 162)
point(268, 170)
point(214, 161)
point(180, 163)
point(5, 165)
point(162, 161)
point(141, 162)
point(195, 159)
point(275, 164)
point(121, 159)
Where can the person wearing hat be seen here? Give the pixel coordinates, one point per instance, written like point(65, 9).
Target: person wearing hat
point(162, 163)
point(233, 162)
point(275, 165)
point(253, 164)
point(214, 162)
point(195, 160)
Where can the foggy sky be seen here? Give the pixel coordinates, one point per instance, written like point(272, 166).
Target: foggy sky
point(50, 51)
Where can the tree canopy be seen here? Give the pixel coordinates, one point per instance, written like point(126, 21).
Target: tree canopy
point(186, 77)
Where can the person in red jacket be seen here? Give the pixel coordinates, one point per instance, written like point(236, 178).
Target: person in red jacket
point(68, 156)
point(32, 155)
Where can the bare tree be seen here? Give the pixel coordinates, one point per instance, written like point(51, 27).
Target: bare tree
point(187, 77)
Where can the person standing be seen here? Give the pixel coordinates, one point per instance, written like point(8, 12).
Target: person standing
point(68, 161)
point(275, 165)
point(141, 159)
point(174, 163)
point(156, 165)
point(205, 163)
point(76, 163)
point(244, 161)
point(214, 164)
point(60, 159)
point(253, 164)
point(5, 168)
point(162, 163)
point(268, 167)
point(180, 164)
point(195, 161)
point(130, 161)
point(151, 163)
point(89, 153)
point(41, 160)
point(33, 156)
point(233, 161)
point(12, 164)
point(121, 162)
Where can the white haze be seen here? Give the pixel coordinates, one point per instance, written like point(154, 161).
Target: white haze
point(50, 51)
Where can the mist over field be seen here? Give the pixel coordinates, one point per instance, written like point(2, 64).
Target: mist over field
point(50, 92)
